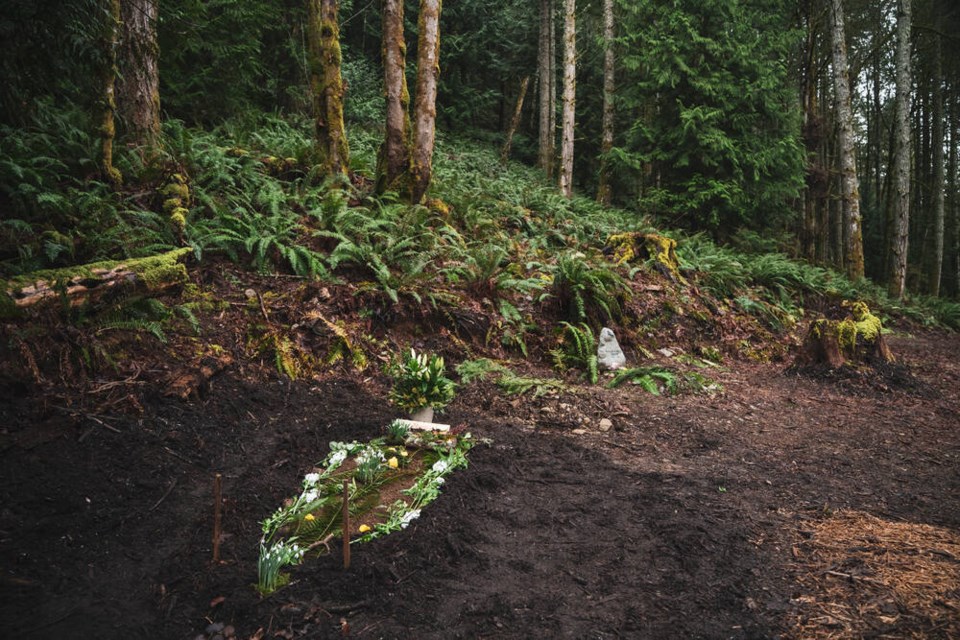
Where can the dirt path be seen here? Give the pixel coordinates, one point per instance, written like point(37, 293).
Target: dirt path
point(688, 519)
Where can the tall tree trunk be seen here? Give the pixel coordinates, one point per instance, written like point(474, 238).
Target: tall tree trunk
point(393, 163)
point(425, 113)
point(936, 140)
point(547, 61)
point(138, 88)
point(569, 96)
point(326, 86)
point(853, 234)
point(108, 128)
point(543, 57)
point(552, 74)
point(604, 192)
point(901, 216)
point(812, 134)
point(514, 121)
point(954, 203)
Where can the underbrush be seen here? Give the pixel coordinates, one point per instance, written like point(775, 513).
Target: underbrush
point(492, 237)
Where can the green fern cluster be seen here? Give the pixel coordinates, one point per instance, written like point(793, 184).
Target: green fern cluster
point(577, 349)
point(655, 380)
point(587, 292)
point(662, 380)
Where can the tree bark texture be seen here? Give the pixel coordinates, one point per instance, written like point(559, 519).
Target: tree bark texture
point(515, 120)
point(326, 86)
point(900, 232)
point(425, 112)
point(548, 96)
point(108, 128)
point(853, 234)
point(394, 161)
point(569, 96)
point(954, 203)
point(604, 192)
point(936, 140)
point(138, 87)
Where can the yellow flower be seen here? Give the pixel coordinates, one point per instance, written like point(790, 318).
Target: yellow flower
point(309, 517)
point(392, 462)
point(364, 528)
point(403, 453)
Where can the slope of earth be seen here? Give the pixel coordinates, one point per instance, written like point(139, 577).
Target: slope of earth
point(686, 519)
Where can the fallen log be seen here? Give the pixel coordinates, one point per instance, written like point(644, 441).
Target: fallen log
point(90, 282)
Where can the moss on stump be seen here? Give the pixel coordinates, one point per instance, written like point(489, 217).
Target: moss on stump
point(635, 246)
point(856, 339)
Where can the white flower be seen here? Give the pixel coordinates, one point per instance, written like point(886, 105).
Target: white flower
point(311, 478)
point(438, 481)
point(408, 517)
point(310, 496)
point(440, 466)
point(336, 459)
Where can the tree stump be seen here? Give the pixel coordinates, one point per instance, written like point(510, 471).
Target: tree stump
point(635, 246)
point(858, 338)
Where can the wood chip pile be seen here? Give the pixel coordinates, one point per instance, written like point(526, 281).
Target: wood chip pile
point(863, 577)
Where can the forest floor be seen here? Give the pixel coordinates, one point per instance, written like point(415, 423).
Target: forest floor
point(783, 506)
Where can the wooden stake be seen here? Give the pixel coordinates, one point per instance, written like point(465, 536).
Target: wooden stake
point(217, 501)
point(346, 524)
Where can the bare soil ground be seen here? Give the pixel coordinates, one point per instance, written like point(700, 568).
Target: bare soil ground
point(692, 517)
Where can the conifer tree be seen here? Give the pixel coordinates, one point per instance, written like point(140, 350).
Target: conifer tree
point(548, 92)
point(853, 235)
point(900, 233)
point(606, 144)
point(569, 96)
point(138, 86)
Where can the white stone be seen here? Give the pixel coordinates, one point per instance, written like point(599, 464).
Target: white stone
point(606, 424)
point(609, 354)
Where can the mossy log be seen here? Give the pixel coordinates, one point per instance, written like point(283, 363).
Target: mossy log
point(858, 338)
point(635, 246)
point(91, 282)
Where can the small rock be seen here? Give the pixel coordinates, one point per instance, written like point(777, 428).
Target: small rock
point(666, 353)
point(579, 432)
point(250, 293)
point(609, 354)
point(606, 424)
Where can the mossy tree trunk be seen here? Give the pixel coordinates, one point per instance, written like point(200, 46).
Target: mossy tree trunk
point(138, 87)
point(900, 227)
point(393, 164)
point(108, 128)
point(850, 185)
point(569, 96)
point(326, 86)
point(606, 143)
point(514, 121)
point(425, 111)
